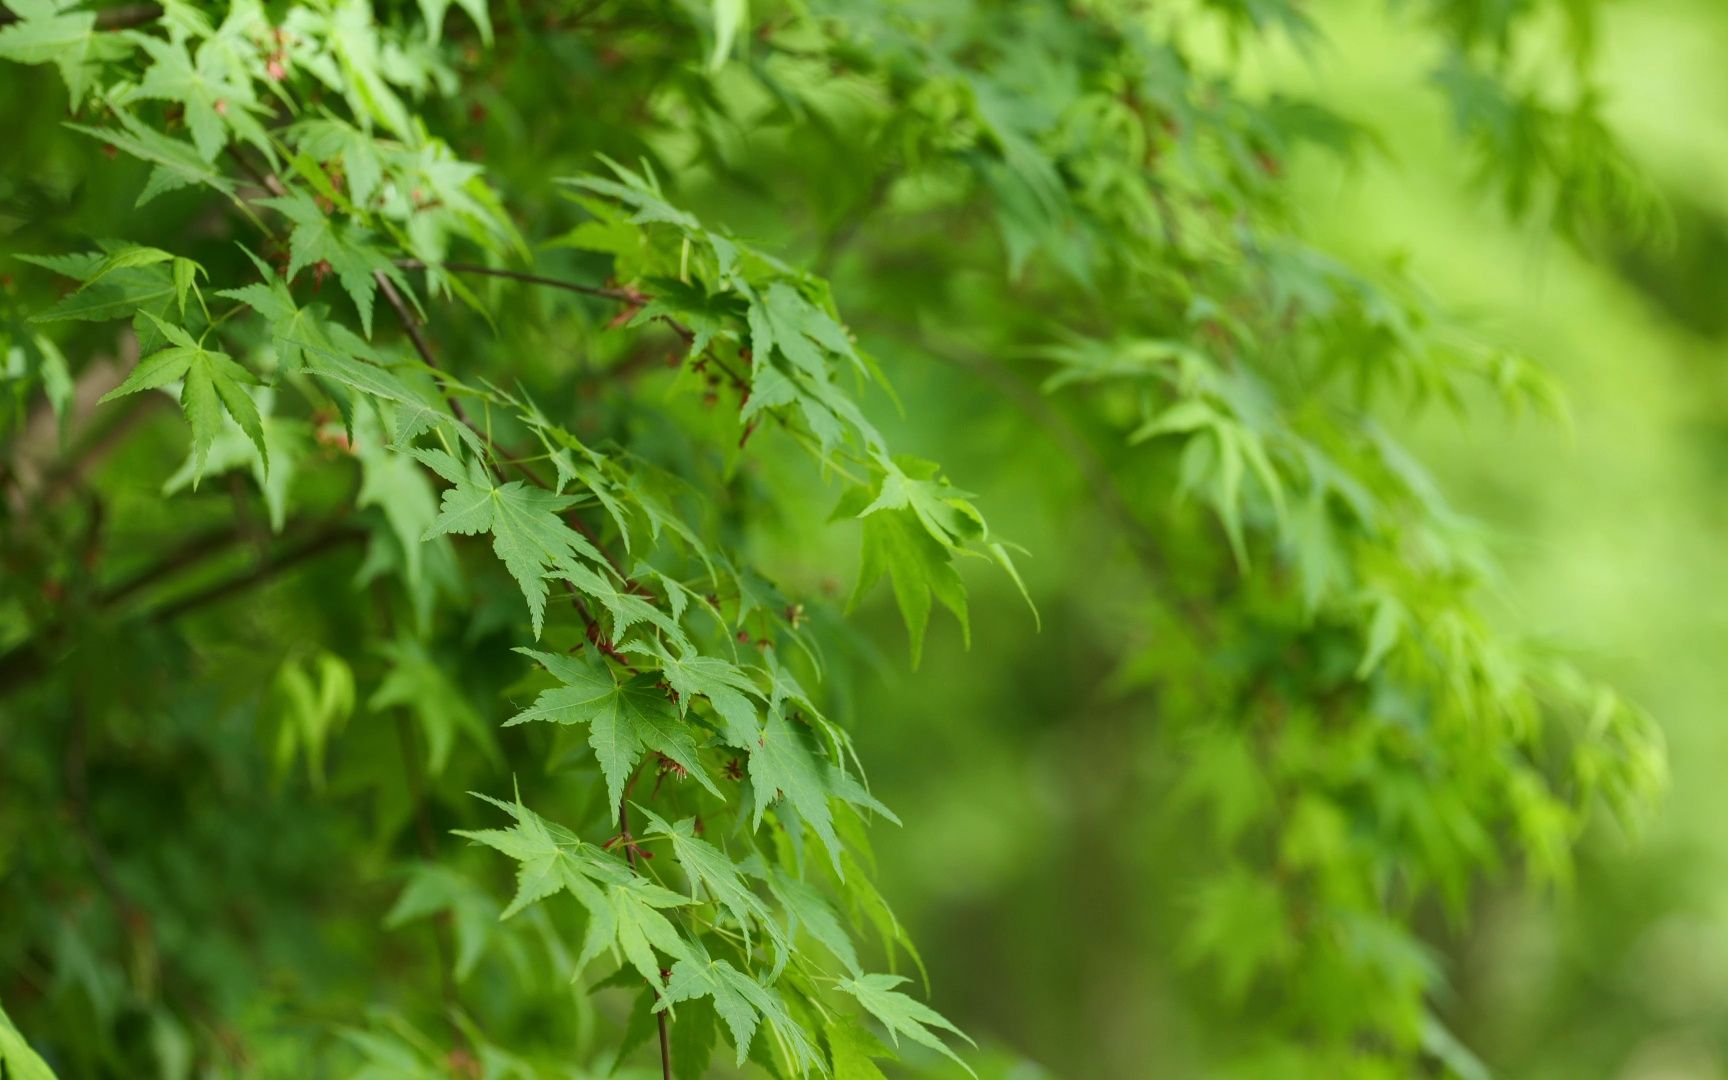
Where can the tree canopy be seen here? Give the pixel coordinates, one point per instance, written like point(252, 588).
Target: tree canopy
point(444, 443)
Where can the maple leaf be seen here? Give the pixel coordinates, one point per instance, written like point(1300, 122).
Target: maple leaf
point(742, 1003)
point(624, 719)
point(722, 682)
point(626, 608)
point(211, 385)
point(810, 911)
point(896, 542)
point(783, 763)
point(110, 289)
point(527, 533)
point(347, 248)
point(434, 10)
point(552, 858)
point(903, 1015)
point(45, 33)
point(943, 510)
point(233, 449)
point(18, 1060)
point(177, 165)
point(213, 101)
point(851, 1048)
point(711, 869)
point(638, 928)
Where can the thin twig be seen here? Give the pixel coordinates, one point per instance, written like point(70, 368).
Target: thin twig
point(629, 845)
point(266, 180)
point(626, 295)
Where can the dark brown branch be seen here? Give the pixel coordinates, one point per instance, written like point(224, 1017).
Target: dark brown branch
point(629, 296)
point(266, 180)
point(36, 657)
point(120, 18)
point(626, 296)
point(628, 843)
point(411, 325)
point(318, 544)
point(188, 554)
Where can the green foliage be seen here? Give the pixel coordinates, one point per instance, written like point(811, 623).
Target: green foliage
point(559, 383)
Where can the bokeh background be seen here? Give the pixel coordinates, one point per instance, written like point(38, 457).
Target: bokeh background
point(1035, 876)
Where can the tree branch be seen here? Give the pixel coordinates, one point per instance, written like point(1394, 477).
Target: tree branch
point(35, 658)
point(629, 844)
point(629, 296)
point(326, 540)
point(120, 18)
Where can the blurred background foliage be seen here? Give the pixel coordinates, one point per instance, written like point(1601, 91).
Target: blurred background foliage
point(1051, 863)
point(1609, 533)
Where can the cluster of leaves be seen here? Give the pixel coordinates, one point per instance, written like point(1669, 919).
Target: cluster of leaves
point(568, 594)
point(670, 642)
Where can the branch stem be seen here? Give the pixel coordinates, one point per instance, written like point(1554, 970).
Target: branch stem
point(629, 844)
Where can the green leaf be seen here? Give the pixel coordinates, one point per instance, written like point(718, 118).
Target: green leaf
point(811, 912)
point(903, 1015)
point(114, 286)
point(211, 101)
point(851, 1048)
point(709, 868)
point(624, 719)
point(898, 543)
point(46, 34)
point(17, 1060)
point(433, 12)
point(729, 17)
point(944, 511)
point(782, 763)
point(527, 533)
point(126, 258)
point(741, 1003)
point(349, 251)
point(419, 683)
point(212, 385)
point(727, 688)
point(177, 164)
point(552, 860)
